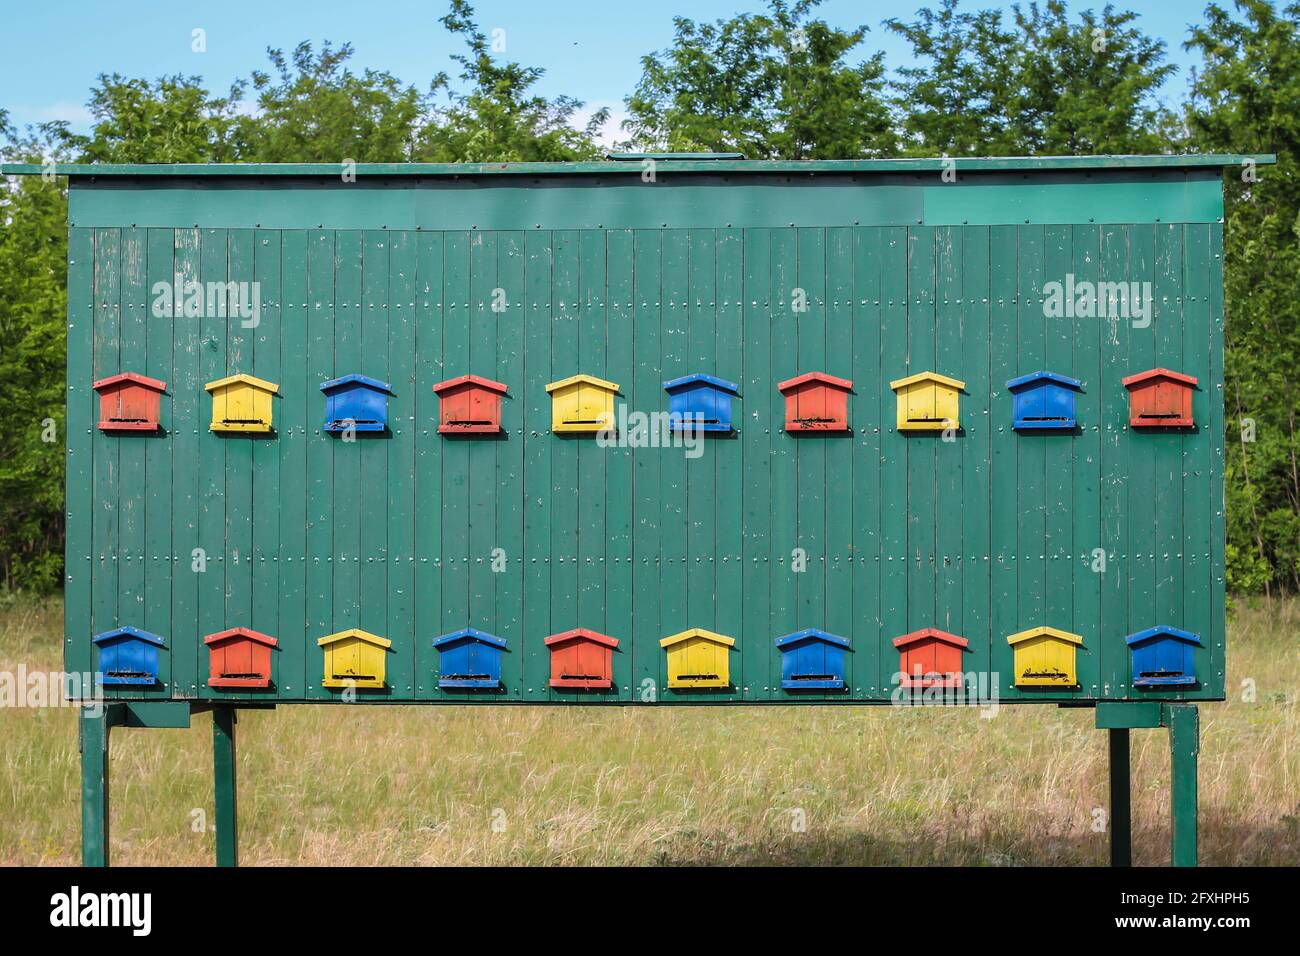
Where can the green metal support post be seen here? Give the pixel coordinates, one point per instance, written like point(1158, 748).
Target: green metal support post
point(1121, 816)
point(95, 724)
point(225, 785)
point(1183, 721)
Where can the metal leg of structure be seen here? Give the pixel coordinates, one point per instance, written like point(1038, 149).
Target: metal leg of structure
point(1183, 721)
point(225, 785)
point(1121, 816)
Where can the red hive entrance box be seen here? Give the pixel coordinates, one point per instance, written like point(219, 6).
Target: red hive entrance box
point(129, 402)
point(816, 402)
point(930, 658)
point(1160, 398)
point(582, 658)
point(239, 658)
point(470, 405)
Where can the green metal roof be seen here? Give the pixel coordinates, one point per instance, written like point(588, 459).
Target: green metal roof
point(632, 166)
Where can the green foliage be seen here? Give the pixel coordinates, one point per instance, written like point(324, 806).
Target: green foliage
point(1042, 86)
point(1245, 99)
point(772, 86)
point(33, 302)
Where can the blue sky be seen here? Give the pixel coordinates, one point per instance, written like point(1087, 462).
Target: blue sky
point(50, 53)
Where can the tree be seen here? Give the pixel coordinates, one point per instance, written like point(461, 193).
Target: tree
point(1043, 86)
point(772, 86)
point(314, 109)
point(497, 118)
point(1243, 99)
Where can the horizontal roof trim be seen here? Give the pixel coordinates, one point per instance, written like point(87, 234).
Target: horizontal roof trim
point(812, 634)
point(1033, 378)
point(355, 379)
point(480, 381)
point(1021, 636)
point(931, 633)
point(1163, 630)
point(625, 168)
point(704, 378)
point(261, 383)
point(248, 632)
point(129, 631)
point(582, 634)
point(359, 634)
point(698, 632)
point(470, 633)
point(1158, 373)
point(833, 380)
point(582, 379)
point(927, 377)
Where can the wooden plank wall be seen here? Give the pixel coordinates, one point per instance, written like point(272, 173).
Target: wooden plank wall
point(983, 535)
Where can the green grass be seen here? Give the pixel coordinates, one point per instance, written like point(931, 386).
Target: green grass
point(718, 785)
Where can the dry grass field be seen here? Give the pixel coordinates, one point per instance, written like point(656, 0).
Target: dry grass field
point(661, 786)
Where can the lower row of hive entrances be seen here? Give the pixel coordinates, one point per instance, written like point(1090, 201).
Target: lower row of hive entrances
point(581, 659)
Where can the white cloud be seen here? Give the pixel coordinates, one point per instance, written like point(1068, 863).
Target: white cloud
point(612, 131)
point(73, 113)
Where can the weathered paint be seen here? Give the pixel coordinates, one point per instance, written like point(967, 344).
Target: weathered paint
point(129, 402)
point(1159, 398)
point(469, 405)
point(698, 659)
point(928, 401)
point(582, 403)
point(354, 658)
point(582, 659)
point(1046, 657)
point(239, 657)
point(357, 403)
point(898, 535)
point(241, 403)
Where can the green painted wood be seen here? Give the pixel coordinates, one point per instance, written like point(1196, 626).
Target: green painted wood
point(94, 733)
point(191, 410)
point(1004, 499)
point(596, 201)
point(225, 785)
point(979, 423)
point(757, 414)
point(535, 405)
point(894, 254)
point(686, 164)
point(400, 502)
point(620, 490)
point(156, 482)
point(1183, 721)
point(396, 533)
point(872, 417)
point(647, 382)
point(1112, 655)
point(297, 414)
point(82, 414)
point(106, 453)
point(427, 476)
point(322, 308)
point(1085, 464)
point(840, 501)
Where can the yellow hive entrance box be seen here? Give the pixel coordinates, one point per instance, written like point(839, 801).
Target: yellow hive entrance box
point(354, 658)
point(698, 658)
point(241, 403)
point(1045, 657)
point(927, 401)
point(582, 403)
